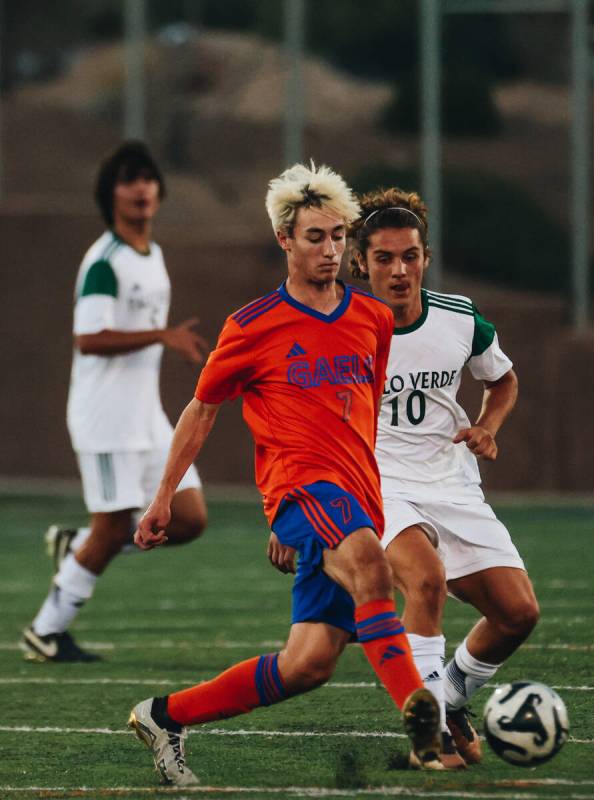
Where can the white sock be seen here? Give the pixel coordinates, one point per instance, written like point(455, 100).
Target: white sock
point(429, 653)
point(72, 587)
point(80, 537)
point(464, 675)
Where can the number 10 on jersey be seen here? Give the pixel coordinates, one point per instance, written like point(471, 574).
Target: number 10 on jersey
point(415, 408)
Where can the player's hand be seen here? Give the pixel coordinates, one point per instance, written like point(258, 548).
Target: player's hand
point(186, 341)
point(479, 440)
point(151, 528)
point(281, 556)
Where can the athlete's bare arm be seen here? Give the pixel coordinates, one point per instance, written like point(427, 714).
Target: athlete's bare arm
point(182, 338)
point(191, 432)
point(499, 398)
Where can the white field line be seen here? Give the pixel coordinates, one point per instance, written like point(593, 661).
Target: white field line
point(318, 791)
point(560, 583)
point(284, 791)
point(580, 619)
point(241, 604)
point(192, 682)
point(179, 625)
point(166, 644)
point(558, 646)
point(289, 791)
point(241, 623)
point(231, 732)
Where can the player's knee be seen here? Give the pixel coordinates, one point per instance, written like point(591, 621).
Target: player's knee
point(194, 528)
point(308, 672)
point(526, 618)
point(374, 580)
point(185, 529)
point(521, 620)
point(429, 591)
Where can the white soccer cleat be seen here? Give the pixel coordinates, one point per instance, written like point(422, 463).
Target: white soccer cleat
point(167, 746)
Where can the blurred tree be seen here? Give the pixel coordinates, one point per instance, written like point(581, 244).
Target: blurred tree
point(380, 40)
point(233, 14)
point(476, 53)
point(372, 40)
point(33, 51)
point(493, 229)
point(468, 108)
point(103, 20)
point(480, 43)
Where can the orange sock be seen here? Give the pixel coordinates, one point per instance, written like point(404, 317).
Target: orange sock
point(241, 688)
point(384, 641)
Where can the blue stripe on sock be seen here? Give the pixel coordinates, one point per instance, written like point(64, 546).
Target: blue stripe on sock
point(268, 681)
point(379, 626)
point(280, 689)
point(380, 633)
point(377, 618)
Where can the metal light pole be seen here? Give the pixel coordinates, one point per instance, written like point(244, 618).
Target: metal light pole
point(580, 128)
point(134, 101)
point(430, 28)
point(580, 139)
point(1, 148)
point(294, 37)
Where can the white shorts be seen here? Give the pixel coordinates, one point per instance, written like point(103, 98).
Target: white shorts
point(116, 481)
point(468, 537)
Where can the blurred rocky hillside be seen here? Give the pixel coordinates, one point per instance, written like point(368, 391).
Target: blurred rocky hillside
point(215, 120)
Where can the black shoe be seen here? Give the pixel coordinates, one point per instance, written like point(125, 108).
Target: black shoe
point(450, 757)
point(465, 737)
point(58, 647)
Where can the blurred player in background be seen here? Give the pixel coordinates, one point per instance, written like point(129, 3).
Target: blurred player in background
point(309, 361)
point(118, 428)
point(440, 535)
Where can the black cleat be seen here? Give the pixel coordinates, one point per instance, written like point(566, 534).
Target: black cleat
point(58, 647)
point(450, 757)
point(464, 735)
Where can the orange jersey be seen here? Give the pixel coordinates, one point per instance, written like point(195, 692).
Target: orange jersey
point(311, 386)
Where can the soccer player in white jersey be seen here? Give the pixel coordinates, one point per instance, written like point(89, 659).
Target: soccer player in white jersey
point(441, 536)
point(117, 425)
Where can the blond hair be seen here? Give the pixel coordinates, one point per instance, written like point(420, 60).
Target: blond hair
point(305, 187)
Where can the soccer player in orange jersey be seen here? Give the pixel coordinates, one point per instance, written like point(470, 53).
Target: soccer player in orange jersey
point(309, 360)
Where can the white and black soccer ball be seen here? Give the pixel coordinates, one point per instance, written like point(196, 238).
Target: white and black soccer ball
point(525, 723)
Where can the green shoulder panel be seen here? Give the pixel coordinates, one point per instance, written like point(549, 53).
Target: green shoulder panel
point(484, 333)
point(100, 279)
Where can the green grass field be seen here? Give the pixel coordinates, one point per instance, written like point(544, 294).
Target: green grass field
point(170, 618)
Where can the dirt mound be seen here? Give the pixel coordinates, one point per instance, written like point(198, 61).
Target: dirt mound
point(219, 75)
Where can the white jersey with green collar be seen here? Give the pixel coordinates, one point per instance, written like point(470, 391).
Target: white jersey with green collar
point(114, 402)
point(419, 415)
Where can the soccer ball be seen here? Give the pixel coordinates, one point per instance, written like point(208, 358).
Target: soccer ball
point(525, 723)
